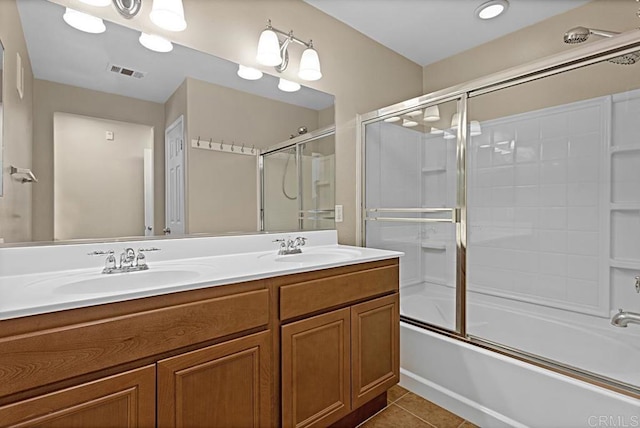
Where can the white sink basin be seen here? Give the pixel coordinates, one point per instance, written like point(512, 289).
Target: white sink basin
point(314, 256)
point(98, 283)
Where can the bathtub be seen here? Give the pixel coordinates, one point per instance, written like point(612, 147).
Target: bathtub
point(493, 390)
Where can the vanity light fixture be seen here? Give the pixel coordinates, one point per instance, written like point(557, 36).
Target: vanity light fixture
point(474, 128)
point(288, 86)
point(249, 73)
point(436, 131)
point(155, 43)
point(454, 121)
point(491, 9)
point(392, 119)
point(414, 113)
point(83, 21)
point(272, 52)
point(408, 123)
point(431, 114)
point(168, 14)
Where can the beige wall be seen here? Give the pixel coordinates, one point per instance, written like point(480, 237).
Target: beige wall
point(223, 191)
point(15, 204)
point(98, 183)
point(530, 43)
point(362, 74)
point(52, 97)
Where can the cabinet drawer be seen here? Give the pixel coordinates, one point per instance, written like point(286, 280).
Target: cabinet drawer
point(47, 356)
point(316, 295)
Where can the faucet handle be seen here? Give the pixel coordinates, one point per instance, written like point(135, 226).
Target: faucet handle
point(301, 240)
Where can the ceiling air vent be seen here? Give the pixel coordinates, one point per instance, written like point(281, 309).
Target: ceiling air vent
point(126, 71)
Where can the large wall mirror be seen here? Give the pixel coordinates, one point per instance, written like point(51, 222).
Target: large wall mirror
point(103, 106)
point(1, 111)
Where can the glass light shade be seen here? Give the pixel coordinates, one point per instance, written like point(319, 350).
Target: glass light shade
point(83, 21)
point(454, 120)
point(407, 123)
point(432, 114)
point(155, 43)
point(269, 49)
point(168, 14)
point(288, 86)
point(249, 73)
point(414, 113)
point(392, 119)
point(309, 65)
point(449, 136)
point(99, 3)
point(475, 128)
point(436, 131)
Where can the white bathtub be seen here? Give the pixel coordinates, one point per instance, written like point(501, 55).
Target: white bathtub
point(491, 390)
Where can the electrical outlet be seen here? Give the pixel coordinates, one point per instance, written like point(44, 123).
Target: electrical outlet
point(109, 135)
point(338, 213)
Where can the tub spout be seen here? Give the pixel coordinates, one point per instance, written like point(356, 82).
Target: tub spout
point(623, 318)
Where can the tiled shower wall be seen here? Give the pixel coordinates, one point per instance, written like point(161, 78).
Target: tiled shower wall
point(537, 198)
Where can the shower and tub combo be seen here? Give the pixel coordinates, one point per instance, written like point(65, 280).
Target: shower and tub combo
point(514, 198)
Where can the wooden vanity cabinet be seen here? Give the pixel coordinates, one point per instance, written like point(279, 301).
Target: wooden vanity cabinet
point(123, 400)
point(336, 362)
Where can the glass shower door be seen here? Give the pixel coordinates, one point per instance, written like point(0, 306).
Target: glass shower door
point(280, 190)
point(410, 204)
point(317, 197)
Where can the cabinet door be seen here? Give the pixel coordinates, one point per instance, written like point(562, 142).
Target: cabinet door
point(123, 400)
point(375, 346)
point(224, 385)
point(315, 370)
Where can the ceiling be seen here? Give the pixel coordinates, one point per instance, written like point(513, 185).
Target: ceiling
point(426, 31)
point(62, 54)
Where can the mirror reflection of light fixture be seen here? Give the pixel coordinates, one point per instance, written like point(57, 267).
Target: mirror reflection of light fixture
point(273, 53)
point(83, 21)
point(449, 135)
point(414, 113)
point(249, 73)
point(408, 123)
point(431, 114)
point(454, 120)
point(436, 131)
point(155, 43)
point(98, 3)
point(288, 86)
point(168, 14)
point(392, 119)
point(474, 128)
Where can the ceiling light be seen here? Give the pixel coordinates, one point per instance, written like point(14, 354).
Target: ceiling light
point(491, 9)
point(288, 86)
point(414, 113)
point(408, 123)
point(249, 73)
point(99, 3)
point(431, 114)
point(392, 119)
point(269, 49)
point(83, 21)
point(273, 53)
point(168, 14)
point(155, 43)
point(310, 64)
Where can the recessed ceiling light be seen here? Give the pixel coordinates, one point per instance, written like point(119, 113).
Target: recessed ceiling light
point(491, 9)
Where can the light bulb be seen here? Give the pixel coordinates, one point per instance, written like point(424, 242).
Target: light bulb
point(168, 14)
point(155, 43)
point(249, 73)
point(83, 21)
point(288, 86)
point(269, 49)
point(310, 65)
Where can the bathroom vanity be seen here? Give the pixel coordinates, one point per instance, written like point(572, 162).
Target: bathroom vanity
point(308, 343)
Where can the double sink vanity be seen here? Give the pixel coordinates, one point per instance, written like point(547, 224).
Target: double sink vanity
point(217, 332)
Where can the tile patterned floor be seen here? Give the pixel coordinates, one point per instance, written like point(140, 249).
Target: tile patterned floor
point(407, 410)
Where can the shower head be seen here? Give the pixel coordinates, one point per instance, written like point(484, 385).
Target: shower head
point(581, 34)
point(626, 59)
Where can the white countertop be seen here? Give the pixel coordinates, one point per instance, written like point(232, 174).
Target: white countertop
point(24, 293)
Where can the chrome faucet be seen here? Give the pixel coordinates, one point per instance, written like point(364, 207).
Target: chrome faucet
point(623, 318)
point(129, 261)
point(290, 246)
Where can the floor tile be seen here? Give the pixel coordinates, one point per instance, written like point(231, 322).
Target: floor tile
point(467, 424)
point(395, 392)
point(395, 417)
point(429, 412)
